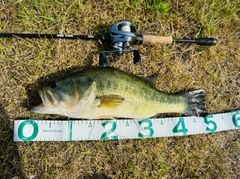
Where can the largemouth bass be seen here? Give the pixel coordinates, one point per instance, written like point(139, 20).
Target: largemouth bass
point(107, 93)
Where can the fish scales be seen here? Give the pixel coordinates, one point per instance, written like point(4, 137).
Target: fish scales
point(134, 87)
point(137, 92)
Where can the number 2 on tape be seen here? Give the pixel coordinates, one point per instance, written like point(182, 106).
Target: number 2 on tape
point(105, 135)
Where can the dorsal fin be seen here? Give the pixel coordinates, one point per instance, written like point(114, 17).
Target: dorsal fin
point(149, 78)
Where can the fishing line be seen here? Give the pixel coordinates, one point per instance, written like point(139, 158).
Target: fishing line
point(85, 130)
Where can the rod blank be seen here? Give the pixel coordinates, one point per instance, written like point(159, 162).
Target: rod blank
point(51, 36)
point(145, 39)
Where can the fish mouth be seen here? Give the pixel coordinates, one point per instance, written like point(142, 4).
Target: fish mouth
point(47, 102)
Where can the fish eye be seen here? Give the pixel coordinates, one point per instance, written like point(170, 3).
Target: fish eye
point(53, 84)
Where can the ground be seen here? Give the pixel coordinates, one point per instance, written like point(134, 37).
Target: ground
point(180, 67)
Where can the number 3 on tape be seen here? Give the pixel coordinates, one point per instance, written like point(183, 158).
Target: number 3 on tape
point(147, 128)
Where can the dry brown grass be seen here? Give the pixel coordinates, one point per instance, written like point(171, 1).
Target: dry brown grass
point(180, 67)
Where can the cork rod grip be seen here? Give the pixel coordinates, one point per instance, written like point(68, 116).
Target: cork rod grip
point(152, 39)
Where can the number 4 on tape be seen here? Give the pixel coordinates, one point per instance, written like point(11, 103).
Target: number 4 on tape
point(180, 127)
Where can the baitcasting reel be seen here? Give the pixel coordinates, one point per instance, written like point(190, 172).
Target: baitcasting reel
point(122, 34)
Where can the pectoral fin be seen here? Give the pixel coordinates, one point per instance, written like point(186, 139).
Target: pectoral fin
point(110, 101)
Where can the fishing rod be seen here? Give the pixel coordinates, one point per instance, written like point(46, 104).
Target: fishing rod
point(121, 35)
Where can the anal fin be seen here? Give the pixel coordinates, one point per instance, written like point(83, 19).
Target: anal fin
point(106, 117)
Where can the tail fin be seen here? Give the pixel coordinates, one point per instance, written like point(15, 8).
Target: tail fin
point(195, 103)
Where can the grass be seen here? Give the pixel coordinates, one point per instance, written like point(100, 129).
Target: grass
point(179, 66)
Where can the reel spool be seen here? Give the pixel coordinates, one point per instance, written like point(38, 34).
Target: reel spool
point(123, 34)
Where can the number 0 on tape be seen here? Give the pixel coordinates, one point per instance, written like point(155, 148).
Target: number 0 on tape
point(79, 130)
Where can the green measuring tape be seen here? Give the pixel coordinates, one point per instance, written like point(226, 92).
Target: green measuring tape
point(79, 130)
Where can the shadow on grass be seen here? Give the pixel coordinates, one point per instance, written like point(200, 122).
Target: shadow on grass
point(10, 160)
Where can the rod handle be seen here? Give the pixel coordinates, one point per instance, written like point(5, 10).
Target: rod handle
point(153, 39)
